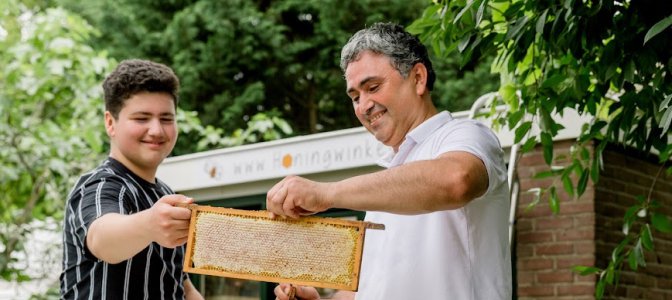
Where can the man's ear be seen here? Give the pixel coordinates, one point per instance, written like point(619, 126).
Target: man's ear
point(110, 122)
point(419, 74)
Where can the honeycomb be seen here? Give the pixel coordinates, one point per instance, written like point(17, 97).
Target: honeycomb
point(320, 252)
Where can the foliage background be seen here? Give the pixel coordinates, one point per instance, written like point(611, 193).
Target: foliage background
point(49, 99)
point(276, 60)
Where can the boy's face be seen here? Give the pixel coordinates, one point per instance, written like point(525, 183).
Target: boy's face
point(144, 133)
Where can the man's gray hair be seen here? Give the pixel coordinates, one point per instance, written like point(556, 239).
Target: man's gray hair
point(391, 40)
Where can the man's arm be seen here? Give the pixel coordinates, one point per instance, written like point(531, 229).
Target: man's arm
point(447, 182)
point(114, 237)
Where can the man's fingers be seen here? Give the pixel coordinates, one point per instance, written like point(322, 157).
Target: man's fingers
point(279, 291)
point(288, 205)
point(276, 202)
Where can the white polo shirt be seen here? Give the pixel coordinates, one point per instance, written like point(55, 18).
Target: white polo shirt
point(460, 254)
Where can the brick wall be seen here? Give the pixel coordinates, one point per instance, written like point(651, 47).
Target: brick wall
point(586, 230)
point(547, 245)
point(624, 177)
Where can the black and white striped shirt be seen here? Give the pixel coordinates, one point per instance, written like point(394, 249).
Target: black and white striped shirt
point(153, 273)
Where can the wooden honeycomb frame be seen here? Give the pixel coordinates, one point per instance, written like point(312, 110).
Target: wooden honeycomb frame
point(313, 251)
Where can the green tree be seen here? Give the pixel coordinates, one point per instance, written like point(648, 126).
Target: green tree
point(607, 59)
point(49, 107)
point(249, 60)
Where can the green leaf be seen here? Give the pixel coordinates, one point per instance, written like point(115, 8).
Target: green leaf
point(610, 272)
point(595, 167)
point(539, 28)
point(629, 218)
point(583, 182)
point(665, 122)
point(661, 222)
point(639, 253)
point(567, 184)
point(536, 193)
point(529, 144)
point(599, 289)
point(553, 201)
point(658, 28)
point(463, 43)
point(514, 118)
point(645, 237)
point(585, 154)
point(665, 103)
point(463, 11)
point(553, 81)
point(547, 142)
point(586, 270)
point(632, 260)
point(509, 96)
point(522, 130)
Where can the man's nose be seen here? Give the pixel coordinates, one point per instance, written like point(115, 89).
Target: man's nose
point(365, 105)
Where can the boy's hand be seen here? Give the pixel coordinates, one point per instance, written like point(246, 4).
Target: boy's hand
point(169, 225)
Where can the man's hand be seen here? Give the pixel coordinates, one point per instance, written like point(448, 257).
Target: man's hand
point(296, 196)
point(302, 292)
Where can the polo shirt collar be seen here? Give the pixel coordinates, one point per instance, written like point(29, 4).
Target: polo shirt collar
point(414, 137)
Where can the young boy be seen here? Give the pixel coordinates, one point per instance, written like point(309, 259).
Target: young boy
point(123, 235)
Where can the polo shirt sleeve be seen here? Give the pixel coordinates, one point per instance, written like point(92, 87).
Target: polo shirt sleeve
point(474, 137)
point(97, 198)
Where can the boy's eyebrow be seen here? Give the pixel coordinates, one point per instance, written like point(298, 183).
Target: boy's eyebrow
point(361, 83)
point(145, 113)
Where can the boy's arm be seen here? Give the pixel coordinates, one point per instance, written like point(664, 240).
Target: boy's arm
point(114, 238)
point(343, 295)
point(190, 292)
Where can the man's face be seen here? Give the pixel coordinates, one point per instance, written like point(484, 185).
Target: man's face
point(385, 102)
point(144, 133)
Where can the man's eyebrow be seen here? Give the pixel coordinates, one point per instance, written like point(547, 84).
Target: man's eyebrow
point(361, 83)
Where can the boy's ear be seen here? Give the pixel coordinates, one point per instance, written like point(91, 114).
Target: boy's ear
point(109, 123)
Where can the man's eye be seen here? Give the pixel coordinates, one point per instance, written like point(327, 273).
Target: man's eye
point(167, 120)
point(355, 99)
point(373, 88)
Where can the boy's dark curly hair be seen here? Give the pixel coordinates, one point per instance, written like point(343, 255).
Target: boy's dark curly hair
point(133, 76)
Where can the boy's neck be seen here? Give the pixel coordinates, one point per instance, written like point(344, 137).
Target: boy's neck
point(144, 173)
